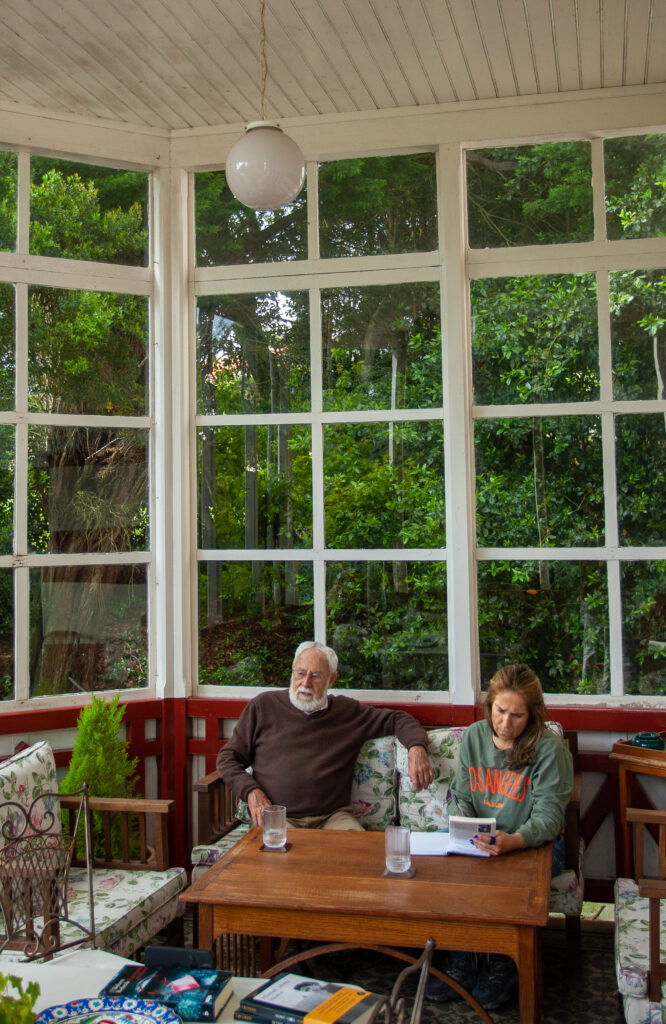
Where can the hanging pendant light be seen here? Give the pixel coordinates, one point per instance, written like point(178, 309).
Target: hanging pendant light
point(265, 169)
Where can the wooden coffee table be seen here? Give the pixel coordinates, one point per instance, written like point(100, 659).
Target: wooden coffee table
point(329, 886)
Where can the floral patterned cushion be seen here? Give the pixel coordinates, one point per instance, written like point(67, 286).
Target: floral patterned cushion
point(567, 889)
point(373, 788)
point(427, 811)
point(632, 952)
point(23, 778)
point(131, 907)
point(203, 856)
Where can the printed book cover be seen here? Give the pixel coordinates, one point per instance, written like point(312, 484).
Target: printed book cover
point(293, 998)
point(195, 994)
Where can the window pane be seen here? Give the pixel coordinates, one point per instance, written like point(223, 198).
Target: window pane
point(255, 487)
point(530, 195)
point(6, 635)
point(252, 617)
point(88, 628)
point(378, 205)
point(8, 185)
point(539, 482)
point(228, 232)
point(253, 353)
point(87, 352)
point(641, 470)
point(552, 616)
point(87, 489)
point(382, 347)
point(88, 213)
point(7, 346)
point(635, 169)
point(7, 468)
point(638, 318)
point(644, 627)
point(384, 485)
point(535, 339)
point(387, 623)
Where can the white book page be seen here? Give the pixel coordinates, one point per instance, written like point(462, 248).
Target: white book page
point(459, 838)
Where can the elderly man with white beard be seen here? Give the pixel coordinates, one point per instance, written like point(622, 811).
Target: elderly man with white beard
point(302, 745)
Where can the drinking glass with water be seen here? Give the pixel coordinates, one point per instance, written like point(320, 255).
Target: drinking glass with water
point(275, 826)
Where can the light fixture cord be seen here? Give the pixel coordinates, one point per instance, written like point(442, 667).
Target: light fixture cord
point(264, 64)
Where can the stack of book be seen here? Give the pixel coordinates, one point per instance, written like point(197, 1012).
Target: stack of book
point(195, 994)
point(293, 998)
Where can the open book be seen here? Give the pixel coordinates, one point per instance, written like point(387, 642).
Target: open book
point(459, 838)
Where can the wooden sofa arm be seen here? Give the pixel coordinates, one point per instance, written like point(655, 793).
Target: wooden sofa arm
point(137, 828)
point(216, 809)
point(572, 826)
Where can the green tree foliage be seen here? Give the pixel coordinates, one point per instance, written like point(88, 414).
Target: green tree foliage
point(88, 487)
point(100, 758)
point(100, 755)
point(539, 480)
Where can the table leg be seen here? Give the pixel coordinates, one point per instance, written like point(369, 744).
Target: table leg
point(205, 926)
point(529, 969)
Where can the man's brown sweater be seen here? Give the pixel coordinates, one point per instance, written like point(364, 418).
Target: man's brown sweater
point(306, 762)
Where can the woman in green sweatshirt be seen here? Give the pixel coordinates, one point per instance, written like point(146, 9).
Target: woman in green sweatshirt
point(515, 769)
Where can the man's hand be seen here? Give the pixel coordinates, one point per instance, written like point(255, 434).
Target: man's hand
point(256, 802)
point(501, 842)
point(420, 769)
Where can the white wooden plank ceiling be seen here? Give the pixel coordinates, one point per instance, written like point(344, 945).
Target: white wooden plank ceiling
point(175, 64)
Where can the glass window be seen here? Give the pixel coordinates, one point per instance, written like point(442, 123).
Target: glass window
point(387, 623)
point(87, 352)
point(252, 617)
point(87, 489)
point(635, 170)
point(384, 485)
point(228, 232)
point(7, 473)
point(253, 353)
point(8, 185)
point(644, 627)
point(638, 319)
point(7, 345)
point(255, 486)
point(530, 195)
point(88, 628)
point(85, 212)
point(378, 205)
point(640, 454)
point(552, 616)
point(6, 634)
point(535, 339)
point(382, 347)
point(539, 482)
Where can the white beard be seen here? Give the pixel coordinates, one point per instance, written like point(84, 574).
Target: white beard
point(308, 706)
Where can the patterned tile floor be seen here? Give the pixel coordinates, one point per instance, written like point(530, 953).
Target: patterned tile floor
point(576, 988)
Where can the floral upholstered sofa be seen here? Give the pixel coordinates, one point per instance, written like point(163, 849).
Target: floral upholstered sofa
point(640, 955)
point(382, 794)
point(131, 903)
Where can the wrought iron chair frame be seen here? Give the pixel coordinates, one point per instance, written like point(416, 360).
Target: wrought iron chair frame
point(34, 876)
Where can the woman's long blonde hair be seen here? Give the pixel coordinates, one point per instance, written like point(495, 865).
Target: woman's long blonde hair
point(521, 680)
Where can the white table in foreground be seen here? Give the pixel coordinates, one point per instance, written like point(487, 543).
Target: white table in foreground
point(81, 975)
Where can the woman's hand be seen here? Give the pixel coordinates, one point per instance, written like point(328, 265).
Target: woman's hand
point(501, 842)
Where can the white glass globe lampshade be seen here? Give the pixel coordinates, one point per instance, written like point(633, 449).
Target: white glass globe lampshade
point(265, 169)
